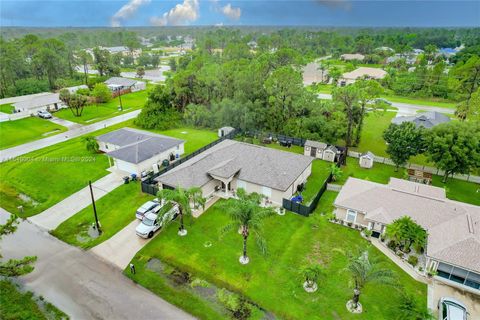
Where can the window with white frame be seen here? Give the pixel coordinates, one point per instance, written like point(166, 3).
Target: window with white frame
point(267, 192)
point(351, 215)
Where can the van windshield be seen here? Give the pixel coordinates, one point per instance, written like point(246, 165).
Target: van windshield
point(147, 221)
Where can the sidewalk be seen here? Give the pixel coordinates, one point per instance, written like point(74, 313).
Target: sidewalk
point(55, 215)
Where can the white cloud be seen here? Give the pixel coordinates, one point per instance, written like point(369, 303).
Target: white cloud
point(182, 14)
point(126, 11)
point(231, 12)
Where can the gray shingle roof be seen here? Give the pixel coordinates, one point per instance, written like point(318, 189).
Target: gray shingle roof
point(119, 81)
point(424, 119)
point(137, 145)
point(316, 144)
point(453, 227)
point(38, 101)
point(260, 165)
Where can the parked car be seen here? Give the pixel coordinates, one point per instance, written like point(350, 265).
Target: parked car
point(146, 207)
point(451, 309)
point(153, 221)
point(44, 114)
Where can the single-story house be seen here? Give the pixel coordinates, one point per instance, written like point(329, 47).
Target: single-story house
point(224, 131)
point(76, 88)
point(330, 154)
point(361, 73)
point(231, 164)
point(453, 228)
point(425, 119)
point(312, 74)
point(366, 160)
point(352, 56)
point(119, 83)
point(136, 151)
point(314, 149)
point(49, 102)
point(409, 58)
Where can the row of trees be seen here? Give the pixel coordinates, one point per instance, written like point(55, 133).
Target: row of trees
point(453, 147)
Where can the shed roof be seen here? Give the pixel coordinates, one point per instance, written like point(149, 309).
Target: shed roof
point(316, 144)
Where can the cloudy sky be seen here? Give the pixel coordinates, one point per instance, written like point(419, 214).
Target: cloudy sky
point(247, 12)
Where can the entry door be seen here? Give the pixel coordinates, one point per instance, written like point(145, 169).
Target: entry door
point(313, 151)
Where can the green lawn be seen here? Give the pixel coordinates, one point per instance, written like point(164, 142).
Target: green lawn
point(101, 111)
point(51, 174)
point(421, 101)
point(293, 148)
point(15, 304)
point(293, 242)
point(13, 133)
point(194, 138)
point(374, 126)
point(6, 108)
point(456, 189)
point(115, 211)
point(320, 172)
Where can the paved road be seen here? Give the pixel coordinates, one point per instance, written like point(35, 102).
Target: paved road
point(79, 283)
point(54, 216)
point(70, 134)
point(404, 109)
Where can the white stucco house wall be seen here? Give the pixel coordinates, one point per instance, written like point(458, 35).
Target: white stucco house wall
point(136, 151)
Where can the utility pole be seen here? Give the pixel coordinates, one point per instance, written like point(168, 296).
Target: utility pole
point(120, 98)
point(94, 208)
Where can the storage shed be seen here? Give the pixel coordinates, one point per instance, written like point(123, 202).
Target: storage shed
point(224, 131)
point(314, 149)
point(366, 160)
point(330, 154)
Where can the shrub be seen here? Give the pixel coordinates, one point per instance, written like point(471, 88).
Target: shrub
point(102, 93)
point(368, 233)
point(392, 245)
point(235, 303)
point(413, 260)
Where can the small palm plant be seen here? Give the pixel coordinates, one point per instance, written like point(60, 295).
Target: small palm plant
point(91, 144)
point(247, 216)
point(365, 270)
point(183, 197)
point(311, 275)
point(336, 172)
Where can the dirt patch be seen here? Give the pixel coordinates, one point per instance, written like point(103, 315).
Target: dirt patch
point(155, 265)
point(26, 199)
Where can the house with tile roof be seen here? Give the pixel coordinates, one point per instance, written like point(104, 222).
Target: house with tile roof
point(453, 228)
point(361, 73)
point(230, 165)
point(425, 119)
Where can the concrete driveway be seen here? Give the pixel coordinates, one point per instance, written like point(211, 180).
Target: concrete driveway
point(437, 290)
point(66, 123)
point(120, 249)
point(55, 215)
point(79, 283)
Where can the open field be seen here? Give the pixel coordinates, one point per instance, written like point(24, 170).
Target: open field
point(115, 211)
point(101, 111)
point(456, 189)
point(293, 243)
point(14, 133)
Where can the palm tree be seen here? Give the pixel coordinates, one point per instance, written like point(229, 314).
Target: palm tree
point(407, 233)
point(311, 275)
point(247, 216)
point(91, 144)
point(364, 270)
point(336, 172)
point(183, 197)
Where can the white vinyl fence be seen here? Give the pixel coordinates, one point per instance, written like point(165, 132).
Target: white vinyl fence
point(432, 170)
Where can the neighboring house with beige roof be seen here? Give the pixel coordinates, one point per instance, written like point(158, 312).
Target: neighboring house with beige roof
point(453, 244)
point(361, 73)
point(230, 165)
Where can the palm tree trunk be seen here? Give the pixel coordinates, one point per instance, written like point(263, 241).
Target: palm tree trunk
point(245, 246)
point(181, 218)
point(356, 297)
